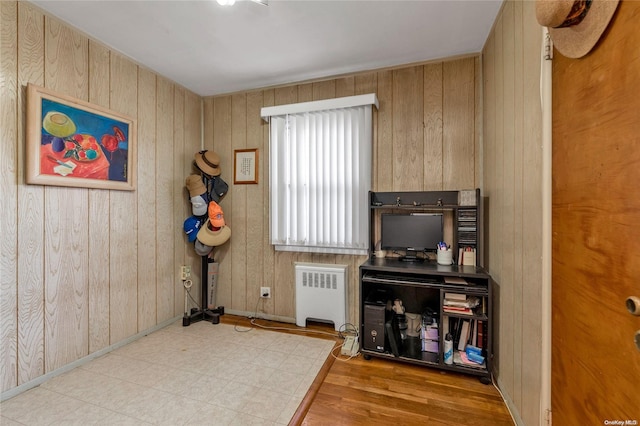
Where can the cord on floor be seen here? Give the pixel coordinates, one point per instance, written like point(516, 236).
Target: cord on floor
point(343, 331)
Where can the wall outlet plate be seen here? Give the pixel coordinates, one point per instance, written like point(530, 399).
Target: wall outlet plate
point(185, 272)
point(265, 292)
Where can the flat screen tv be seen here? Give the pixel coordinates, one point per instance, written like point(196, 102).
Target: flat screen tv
point(411, 233)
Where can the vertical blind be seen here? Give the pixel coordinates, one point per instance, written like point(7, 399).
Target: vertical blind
point(320, 175)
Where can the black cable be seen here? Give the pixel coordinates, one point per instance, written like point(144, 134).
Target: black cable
point(192, 299)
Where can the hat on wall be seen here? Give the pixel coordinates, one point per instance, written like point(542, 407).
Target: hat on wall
point(202, 249)
point(199, 205)
point(219, 189)
point(208, 162)
point(216, 216)
point(575, 26)
point(213, 236)
point(195, 185)
point(191, 226)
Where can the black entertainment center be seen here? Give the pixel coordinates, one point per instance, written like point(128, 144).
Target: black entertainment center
point(414, 309)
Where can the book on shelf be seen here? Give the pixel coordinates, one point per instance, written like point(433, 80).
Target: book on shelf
point(455, 280)
point(470, 302)
point(457, 310)
point(445, 325)
point(473, 340)
point(455, 296)
point(454, 329)
point(464, 335)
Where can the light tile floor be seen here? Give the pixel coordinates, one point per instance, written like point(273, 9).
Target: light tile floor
point(203, 374)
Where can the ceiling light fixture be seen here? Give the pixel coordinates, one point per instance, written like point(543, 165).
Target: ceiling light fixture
point(232, 2)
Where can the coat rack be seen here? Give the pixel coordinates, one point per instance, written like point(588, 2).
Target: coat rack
point(207, 223)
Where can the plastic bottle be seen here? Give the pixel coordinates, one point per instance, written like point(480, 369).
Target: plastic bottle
point(448, 349)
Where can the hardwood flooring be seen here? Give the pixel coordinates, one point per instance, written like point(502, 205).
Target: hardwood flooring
point(383, 392)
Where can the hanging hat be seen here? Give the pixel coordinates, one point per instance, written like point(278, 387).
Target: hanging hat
point(216, 216)
point(191, 226)
point(195, 186)
point(213, 236)
point(202, 249)
point(219, 189)
point(199, 205)
point(575, 26)
point(208, 162)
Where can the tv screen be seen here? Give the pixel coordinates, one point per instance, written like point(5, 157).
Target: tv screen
point(411, 232)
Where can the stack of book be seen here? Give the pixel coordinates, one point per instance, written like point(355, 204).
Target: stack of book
point(457, 303)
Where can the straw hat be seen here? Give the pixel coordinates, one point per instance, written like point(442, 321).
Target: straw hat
point(213, 236)
point(208, 162)
point(575, 26)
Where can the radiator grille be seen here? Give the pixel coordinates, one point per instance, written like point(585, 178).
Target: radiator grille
point(324, 280)
point(321, 293)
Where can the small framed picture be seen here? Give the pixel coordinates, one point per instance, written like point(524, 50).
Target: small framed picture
point(245, 166)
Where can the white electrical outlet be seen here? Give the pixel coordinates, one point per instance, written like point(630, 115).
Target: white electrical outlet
point(265, 292)
point(185, 272)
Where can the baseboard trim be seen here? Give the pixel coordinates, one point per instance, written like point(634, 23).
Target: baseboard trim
point(260, 315)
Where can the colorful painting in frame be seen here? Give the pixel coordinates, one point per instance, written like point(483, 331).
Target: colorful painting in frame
point(71, 142)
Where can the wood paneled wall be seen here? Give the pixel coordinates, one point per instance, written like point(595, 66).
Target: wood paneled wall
point(426, 137)
point(83, 269)
point(513, 187)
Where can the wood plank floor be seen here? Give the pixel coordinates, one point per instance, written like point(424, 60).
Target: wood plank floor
point(383, 392)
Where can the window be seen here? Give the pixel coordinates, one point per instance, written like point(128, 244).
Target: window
point(320, 174)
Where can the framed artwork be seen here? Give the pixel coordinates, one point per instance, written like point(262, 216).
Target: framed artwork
point(71, 142)
point(245, 166)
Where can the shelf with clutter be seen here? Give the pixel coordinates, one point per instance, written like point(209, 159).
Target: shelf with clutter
point(424, 296)
point(206, 229)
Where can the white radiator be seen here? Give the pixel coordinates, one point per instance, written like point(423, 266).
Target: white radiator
point(321, 293)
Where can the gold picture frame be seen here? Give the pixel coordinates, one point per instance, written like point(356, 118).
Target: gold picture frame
point(70, 142)
point(245, 166)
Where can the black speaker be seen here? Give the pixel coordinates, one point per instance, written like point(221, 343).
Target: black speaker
point(374, 319)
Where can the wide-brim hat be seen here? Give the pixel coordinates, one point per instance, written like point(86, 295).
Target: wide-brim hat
point(213, 237)
point(575, 26)
point(195, 185)
point(208, 162)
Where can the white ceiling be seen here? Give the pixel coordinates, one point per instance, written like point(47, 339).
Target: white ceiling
point(212, 49)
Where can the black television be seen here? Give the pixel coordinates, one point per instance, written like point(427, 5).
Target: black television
point(411, 233)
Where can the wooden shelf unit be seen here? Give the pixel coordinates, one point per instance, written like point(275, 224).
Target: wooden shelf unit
point(462, 212)
point(421, 285)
